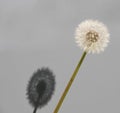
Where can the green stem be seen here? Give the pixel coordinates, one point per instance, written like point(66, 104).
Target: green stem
point(69, 83)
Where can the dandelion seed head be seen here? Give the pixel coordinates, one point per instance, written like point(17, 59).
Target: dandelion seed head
point(92, 36)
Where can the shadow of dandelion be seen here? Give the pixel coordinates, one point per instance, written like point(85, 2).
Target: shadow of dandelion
point(40, 88)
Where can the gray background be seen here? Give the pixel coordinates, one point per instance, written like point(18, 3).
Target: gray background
point(37, 33)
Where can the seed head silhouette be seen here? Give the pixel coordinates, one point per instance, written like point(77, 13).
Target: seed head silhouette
point(40, 88)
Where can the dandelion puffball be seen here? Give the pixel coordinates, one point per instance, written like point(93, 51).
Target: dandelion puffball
point(92, 36)
point(41, 85)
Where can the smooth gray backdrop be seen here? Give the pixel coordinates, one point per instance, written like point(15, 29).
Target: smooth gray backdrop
point(37, 33)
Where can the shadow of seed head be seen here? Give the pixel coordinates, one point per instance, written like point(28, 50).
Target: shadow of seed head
point(41, 87)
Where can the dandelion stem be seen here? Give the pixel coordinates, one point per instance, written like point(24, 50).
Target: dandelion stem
point(69, 83)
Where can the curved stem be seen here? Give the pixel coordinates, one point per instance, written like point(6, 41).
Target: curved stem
point(35, 109)
point(69, 83)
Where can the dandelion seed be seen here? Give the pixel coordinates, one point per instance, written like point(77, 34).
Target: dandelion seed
point(92, 36)
point(40, 88)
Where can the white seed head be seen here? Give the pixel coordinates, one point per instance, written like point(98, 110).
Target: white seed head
point(92, 36)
